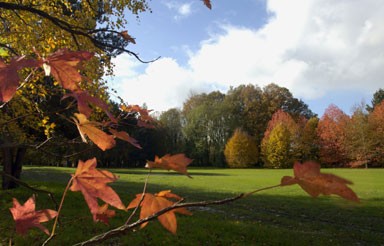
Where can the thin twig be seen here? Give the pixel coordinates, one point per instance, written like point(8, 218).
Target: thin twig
point(58, 213)
point(18, 181)
point(141, 199)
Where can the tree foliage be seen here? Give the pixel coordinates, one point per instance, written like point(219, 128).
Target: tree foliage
point(377, 98)
point(376, 122)
point(276, 148)
point(332, 136)
point(280, 143)
point(241, 150)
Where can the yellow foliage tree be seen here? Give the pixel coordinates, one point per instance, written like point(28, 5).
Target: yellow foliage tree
point(241, 150)
point(276, 149)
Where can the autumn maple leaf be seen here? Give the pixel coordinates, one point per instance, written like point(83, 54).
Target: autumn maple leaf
point(103, 214)
point(88, 128)
point(125, 136)
point(9, 78)
point(143, 119)
point(83, 99)
point(127, 37)
point(178, 163)
point(93, 184)
point(151, 204)
point(26, 217)
point(208, 3)
point(311, 180)
point(64, 65)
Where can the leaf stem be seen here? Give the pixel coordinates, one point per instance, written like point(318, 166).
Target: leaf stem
point(262, 189)
point(58, 212)
point(141, 199)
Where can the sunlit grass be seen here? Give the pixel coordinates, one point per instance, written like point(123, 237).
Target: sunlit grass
point(285, 215)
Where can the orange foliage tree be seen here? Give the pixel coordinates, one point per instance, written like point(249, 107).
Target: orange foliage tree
point(332, 136)
point(376, 122)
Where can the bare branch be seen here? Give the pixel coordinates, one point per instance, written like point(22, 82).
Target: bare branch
point(18, 181)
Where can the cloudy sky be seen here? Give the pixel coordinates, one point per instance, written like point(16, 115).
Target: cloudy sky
point(323, 51)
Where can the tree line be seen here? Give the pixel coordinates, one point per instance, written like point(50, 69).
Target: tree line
point(268, 127)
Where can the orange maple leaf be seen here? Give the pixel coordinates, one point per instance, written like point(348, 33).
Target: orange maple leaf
point(64, 65)
point(311, 180)
point(143, 117)
point(93, 184)
point(9, 78)
point(89, 128)
point(103, 214)
point(127, 37)
point(151, 204)
point(125, 136)
point(26, 217)
point(178, 163)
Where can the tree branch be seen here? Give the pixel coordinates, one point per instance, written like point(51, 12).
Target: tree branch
point(126, 228)
point(73, 30)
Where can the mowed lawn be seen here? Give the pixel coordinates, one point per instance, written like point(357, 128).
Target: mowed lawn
point(282, 216)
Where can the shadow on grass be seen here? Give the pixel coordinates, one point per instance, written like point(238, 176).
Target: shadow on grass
point(166, 173)
point(262, 219)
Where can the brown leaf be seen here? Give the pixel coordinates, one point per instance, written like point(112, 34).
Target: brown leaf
point(127, 37)
point(310, 179)
point(125, 136)
point(152, 204)
point(64, 65)
point(208, 3)
point(9, 78)
point(26, 217)
point(88, 128)
point(103, 214)
point(84, 99)
point(178, 163)
point(93, 184)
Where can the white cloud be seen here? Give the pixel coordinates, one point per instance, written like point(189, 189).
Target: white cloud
point(182, 9)
point(311, 47)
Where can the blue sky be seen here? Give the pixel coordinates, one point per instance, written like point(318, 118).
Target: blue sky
point(323, 51)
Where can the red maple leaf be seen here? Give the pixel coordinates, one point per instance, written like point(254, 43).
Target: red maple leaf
point(9, 77)
point(208, 3)
point(93, 184)
point(311, 180)
point(152, 204)
point(26, 217)
point(178, 163)
point(64, 65)
point(84, 99)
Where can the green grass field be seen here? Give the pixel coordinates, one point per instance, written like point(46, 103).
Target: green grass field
point(282, 216)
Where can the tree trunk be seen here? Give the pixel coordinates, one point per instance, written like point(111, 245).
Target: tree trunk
point(12, 165)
